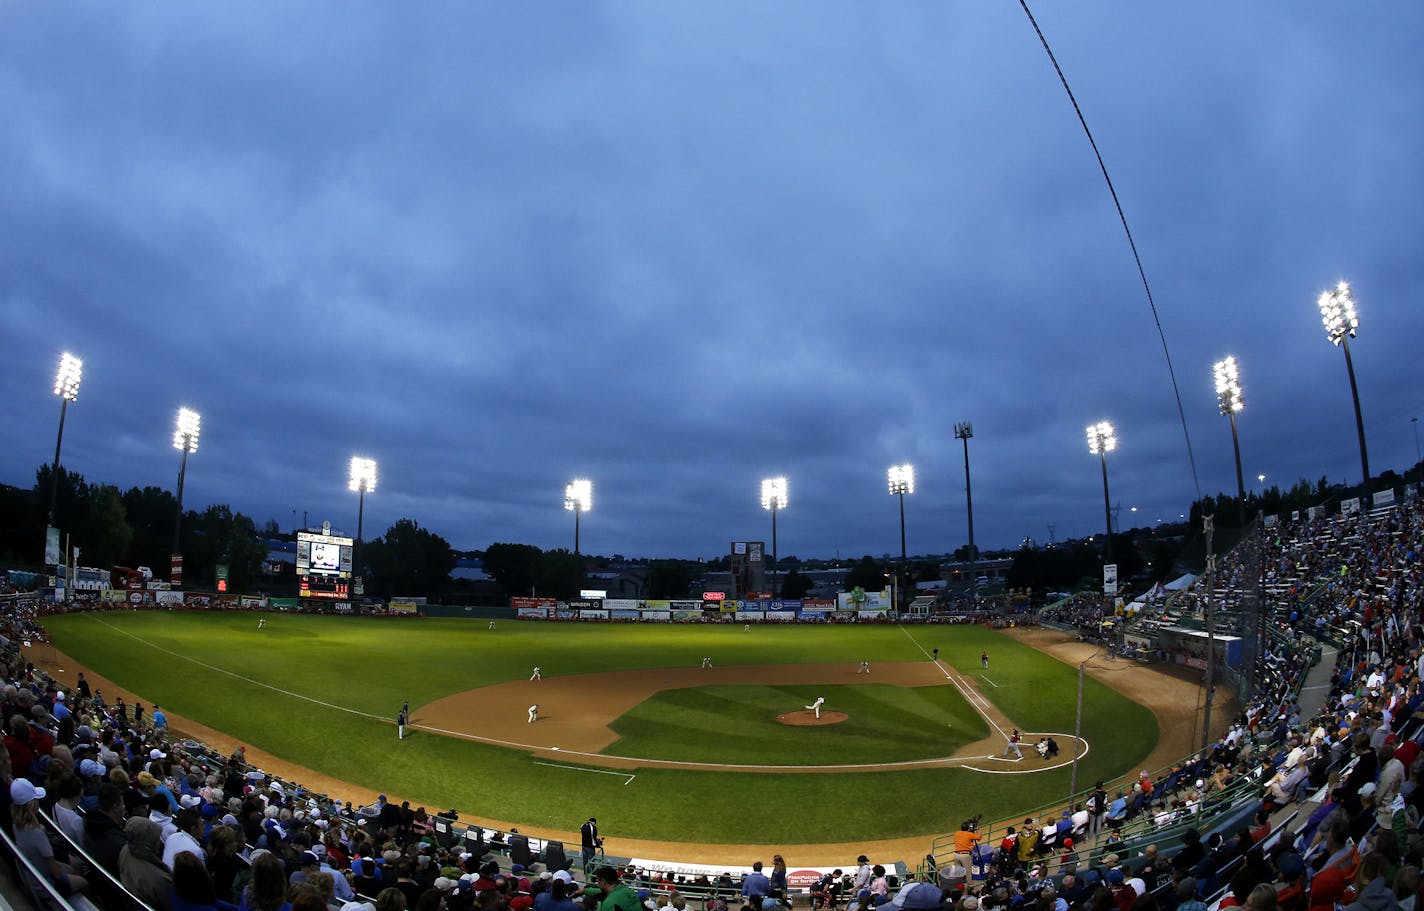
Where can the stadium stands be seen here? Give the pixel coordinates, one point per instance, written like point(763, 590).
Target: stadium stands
point(1308, 780)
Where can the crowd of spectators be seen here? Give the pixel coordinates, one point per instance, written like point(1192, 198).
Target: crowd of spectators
point(182, 829)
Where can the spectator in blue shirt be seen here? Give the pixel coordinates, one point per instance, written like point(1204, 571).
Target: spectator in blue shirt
point(1117, 812)
point(755, 886)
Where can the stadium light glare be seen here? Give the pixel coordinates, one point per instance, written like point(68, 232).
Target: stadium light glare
point(1337, 312)
point(1228, 399)
point(1228, 385)
point(66, 379)
point(1102, 439)
point(902, 481)
point(363, 475)
point(66, 386)
point(362, 481)
point(773, 497)
point(578, 499)
point(185, 440)
point(186, 430)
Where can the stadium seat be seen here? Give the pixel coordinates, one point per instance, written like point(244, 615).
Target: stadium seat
point(554, 856)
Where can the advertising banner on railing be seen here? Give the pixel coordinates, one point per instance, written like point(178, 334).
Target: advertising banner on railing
point(1269, 521)
point(1385, 497)
point(1350, 507)
point(532, 613)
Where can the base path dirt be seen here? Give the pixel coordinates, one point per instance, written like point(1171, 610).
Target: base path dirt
point(1171, 694)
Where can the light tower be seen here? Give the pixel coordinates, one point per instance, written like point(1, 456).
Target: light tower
point(1228, 397)
point(902, 481)
point(66, 386)
point(578, 498)
point(1102, 439)
point(1337, 313)
point(363, 481)
point(773, 497)
point(185, 440)
point(963, 431)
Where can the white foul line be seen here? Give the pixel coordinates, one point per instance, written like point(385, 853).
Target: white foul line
point(575, 768)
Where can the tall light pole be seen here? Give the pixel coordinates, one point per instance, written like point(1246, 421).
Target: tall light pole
point(185, 439)
point(1228, 397)
point(902, 481)
point(773, 497)
point(66, 386)
point(963, 431)
point(1337, 313)
point(578, 498)
point(1102, 439)
point(363, 481)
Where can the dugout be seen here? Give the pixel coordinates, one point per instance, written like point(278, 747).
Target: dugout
point(1188, 646)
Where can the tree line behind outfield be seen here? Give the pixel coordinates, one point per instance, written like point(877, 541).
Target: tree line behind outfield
point(134, 527)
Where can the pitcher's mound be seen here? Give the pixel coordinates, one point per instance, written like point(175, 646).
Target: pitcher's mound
point(806, 719)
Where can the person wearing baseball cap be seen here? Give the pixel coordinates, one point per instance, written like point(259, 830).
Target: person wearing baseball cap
point(917, 897)
point(32, 840)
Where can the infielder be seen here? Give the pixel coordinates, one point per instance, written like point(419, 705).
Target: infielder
point(864, 668)
point(533, 713)
point(536, 675)
point(707, 662)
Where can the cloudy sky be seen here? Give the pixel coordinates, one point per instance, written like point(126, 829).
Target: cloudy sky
point(680, 247)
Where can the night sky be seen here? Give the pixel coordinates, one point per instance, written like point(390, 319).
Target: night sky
point(679, 247)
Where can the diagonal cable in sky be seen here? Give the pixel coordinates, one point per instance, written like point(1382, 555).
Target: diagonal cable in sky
point(1191, 458)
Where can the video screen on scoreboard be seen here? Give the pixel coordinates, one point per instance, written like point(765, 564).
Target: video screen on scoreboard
point(323, 555)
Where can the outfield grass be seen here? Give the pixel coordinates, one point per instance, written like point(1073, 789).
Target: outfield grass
point(267, 687)
point(738, 724)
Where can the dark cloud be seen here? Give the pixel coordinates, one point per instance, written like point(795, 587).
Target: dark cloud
point(679, 248)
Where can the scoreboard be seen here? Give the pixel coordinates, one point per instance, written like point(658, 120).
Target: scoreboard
point(323, 566)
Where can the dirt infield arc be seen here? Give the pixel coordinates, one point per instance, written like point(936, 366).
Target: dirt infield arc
point(576, 714)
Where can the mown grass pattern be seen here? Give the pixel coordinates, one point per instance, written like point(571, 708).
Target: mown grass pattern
point(371, 665)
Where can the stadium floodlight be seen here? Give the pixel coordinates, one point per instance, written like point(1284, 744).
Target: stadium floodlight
point(1102, 439)
point(362, 482)
point(66, 386)
point(1228, 399)
point(66, 379)
point(902, 481)
point(578, 499)
point(964, 431)
point(1337, 312)
point(185, 439)
point(773, 497)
